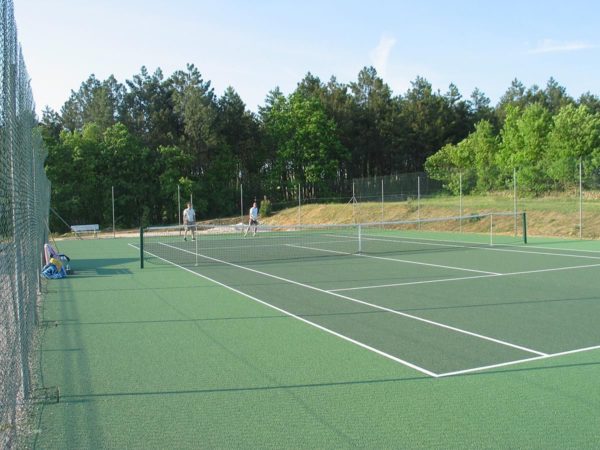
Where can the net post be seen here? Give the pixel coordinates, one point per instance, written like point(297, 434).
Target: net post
point(359, 238)
point(491, 229)
point(524, 227)
point(141, 247)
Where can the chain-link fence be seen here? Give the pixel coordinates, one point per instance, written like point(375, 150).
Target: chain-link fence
point(24, 205)
point(570, 213)
point(573, 212)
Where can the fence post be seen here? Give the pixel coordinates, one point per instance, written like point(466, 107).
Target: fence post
point(353, 203)
point(113, 211)
point(141, 247)
point(299, 204)
point(460, 213)
point(580, 201)
point(515, 196)
point(382, 199)
point(419, 201)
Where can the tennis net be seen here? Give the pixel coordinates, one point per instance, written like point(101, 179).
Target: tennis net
point(237, 244)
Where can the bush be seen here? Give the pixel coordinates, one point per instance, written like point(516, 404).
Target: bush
point(266, 208)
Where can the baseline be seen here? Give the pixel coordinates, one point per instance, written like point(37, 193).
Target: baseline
point(518, 361)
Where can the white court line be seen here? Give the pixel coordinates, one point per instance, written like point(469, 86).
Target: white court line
point(287, 313)
point(555, 269)
point(519, 361)
point(444, 280)
point(382, 308)
point(418, 263)
point(410, 283)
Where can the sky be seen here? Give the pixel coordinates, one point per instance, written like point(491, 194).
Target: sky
point(257, 45)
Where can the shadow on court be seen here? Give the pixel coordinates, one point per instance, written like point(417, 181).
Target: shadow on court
point(90, 397)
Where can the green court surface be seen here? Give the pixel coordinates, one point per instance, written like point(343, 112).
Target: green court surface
point(434, 345)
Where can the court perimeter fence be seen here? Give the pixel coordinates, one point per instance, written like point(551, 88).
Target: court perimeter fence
point(572, 213)
point(24, 206)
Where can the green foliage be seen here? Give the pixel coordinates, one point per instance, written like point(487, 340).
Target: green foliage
point(544, 150)
point(152, 135)
point(574, 138)
point(468, 165)
point(524, 145)
point(266, 208)
point(306, 148)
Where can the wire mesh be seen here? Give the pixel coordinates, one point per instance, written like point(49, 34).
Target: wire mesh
point(24, 206)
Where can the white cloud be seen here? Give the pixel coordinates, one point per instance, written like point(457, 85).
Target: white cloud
point(380, 55)
point(552, 46)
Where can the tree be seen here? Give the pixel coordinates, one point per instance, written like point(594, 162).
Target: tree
point(147, 109)
point(486, 144)
point(514, 96)
point(458, 121)
point(172, 164)
point(575, 137)
point(195, 110)
point(555, 96)
point(468, 165)
point(51, 126)
point(424, 113)
point(95, 102)
point(136, 192)
point(591, 101)
point(481, 109)
point(308, 151)
point(240, 144)
point(371, 108)
point(523, 146)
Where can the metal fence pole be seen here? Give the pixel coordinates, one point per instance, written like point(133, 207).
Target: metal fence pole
point(515, 197)
point(419, 201)
point(580, 201)
point(353, 204)
point(113, 211)
point(460, 213)
point(382, 199)
point(299, 220)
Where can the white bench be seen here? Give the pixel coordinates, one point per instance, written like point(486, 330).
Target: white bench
point(92, 228)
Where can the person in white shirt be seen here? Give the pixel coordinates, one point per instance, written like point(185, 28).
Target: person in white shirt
point(252, 220)
point(189, 221)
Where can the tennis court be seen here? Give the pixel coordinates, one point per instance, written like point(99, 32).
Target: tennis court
point(324, 338)
point(441, 306)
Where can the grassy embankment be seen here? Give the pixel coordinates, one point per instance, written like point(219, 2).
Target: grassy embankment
point(552, 215)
